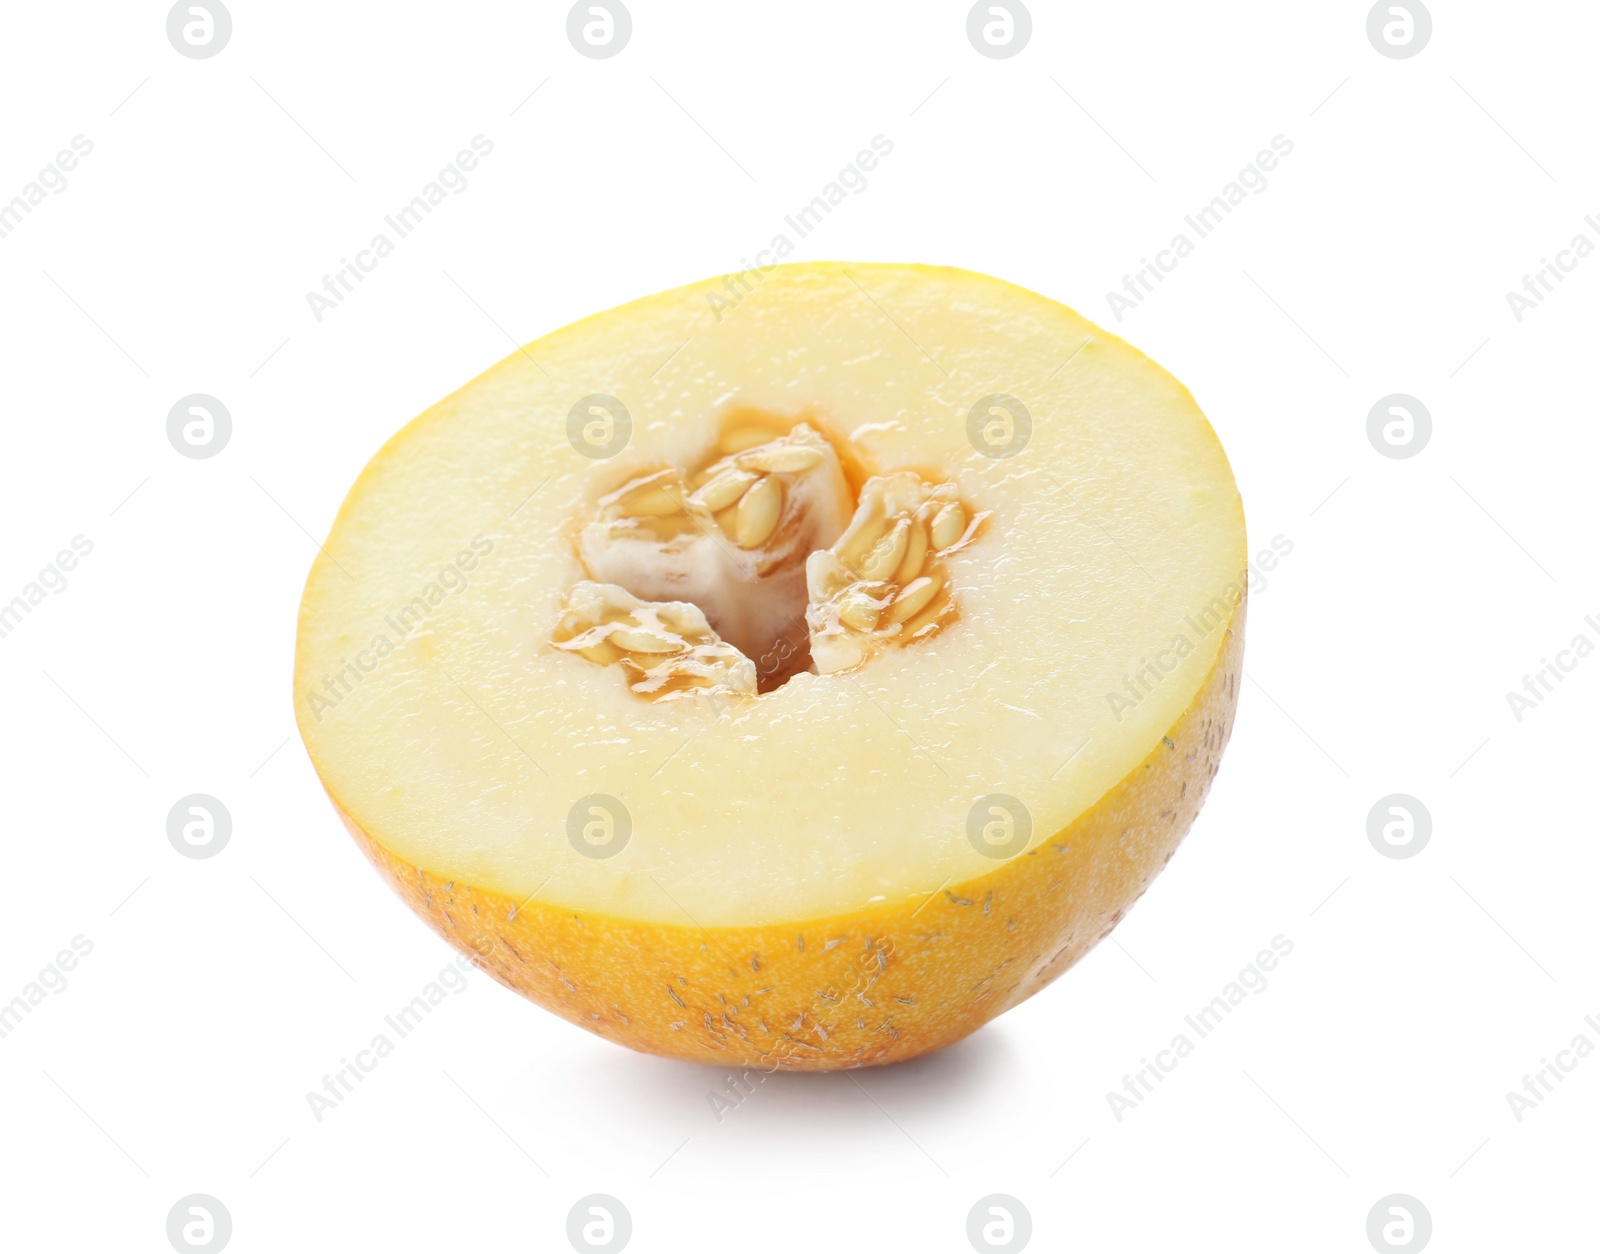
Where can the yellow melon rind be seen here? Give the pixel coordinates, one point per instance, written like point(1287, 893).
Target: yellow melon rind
point(856, 989)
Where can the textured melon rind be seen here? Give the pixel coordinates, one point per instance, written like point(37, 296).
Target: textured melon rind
point(859, 989)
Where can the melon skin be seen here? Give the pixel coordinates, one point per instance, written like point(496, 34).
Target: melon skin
point(857, 989)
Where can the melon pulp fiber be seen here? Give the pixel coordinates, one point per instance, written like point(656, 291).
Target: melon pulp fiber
point(810, 878)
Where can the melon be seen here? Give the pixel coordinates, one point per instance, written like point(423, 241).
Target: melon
point(796, 684)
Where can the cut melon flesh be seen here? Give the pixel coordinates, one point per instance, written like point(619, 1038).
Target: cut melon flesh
point(1096, 610)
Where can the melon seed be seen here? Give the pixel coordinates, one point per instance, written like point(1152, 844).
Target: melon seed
point(603, 653)
point(722, 491)
point(929, 614)
point(782, 458)
point(858, 610)
point(758, 513)
point(639, 640)
point(654, 498)
point(886, 555)
point(949, 525)
point(916, 555)
point(914, 596)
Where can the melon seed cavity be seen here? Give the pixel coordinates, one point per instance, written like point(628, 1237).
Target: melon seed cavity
point(758, 564)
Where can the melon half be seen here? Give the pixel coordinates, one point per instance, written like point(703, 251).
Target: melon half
point(791, 670)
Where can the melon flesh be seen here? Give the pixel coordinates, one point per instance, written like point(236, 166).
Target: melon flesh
point(1090, 672)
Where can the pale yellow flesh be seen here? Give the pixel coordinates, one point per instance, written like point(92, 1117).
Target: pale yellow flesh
point(461, 749)
point(863, 988)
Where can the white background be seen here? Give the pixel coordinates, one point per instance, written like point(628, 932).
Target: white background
point(1419, 191)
